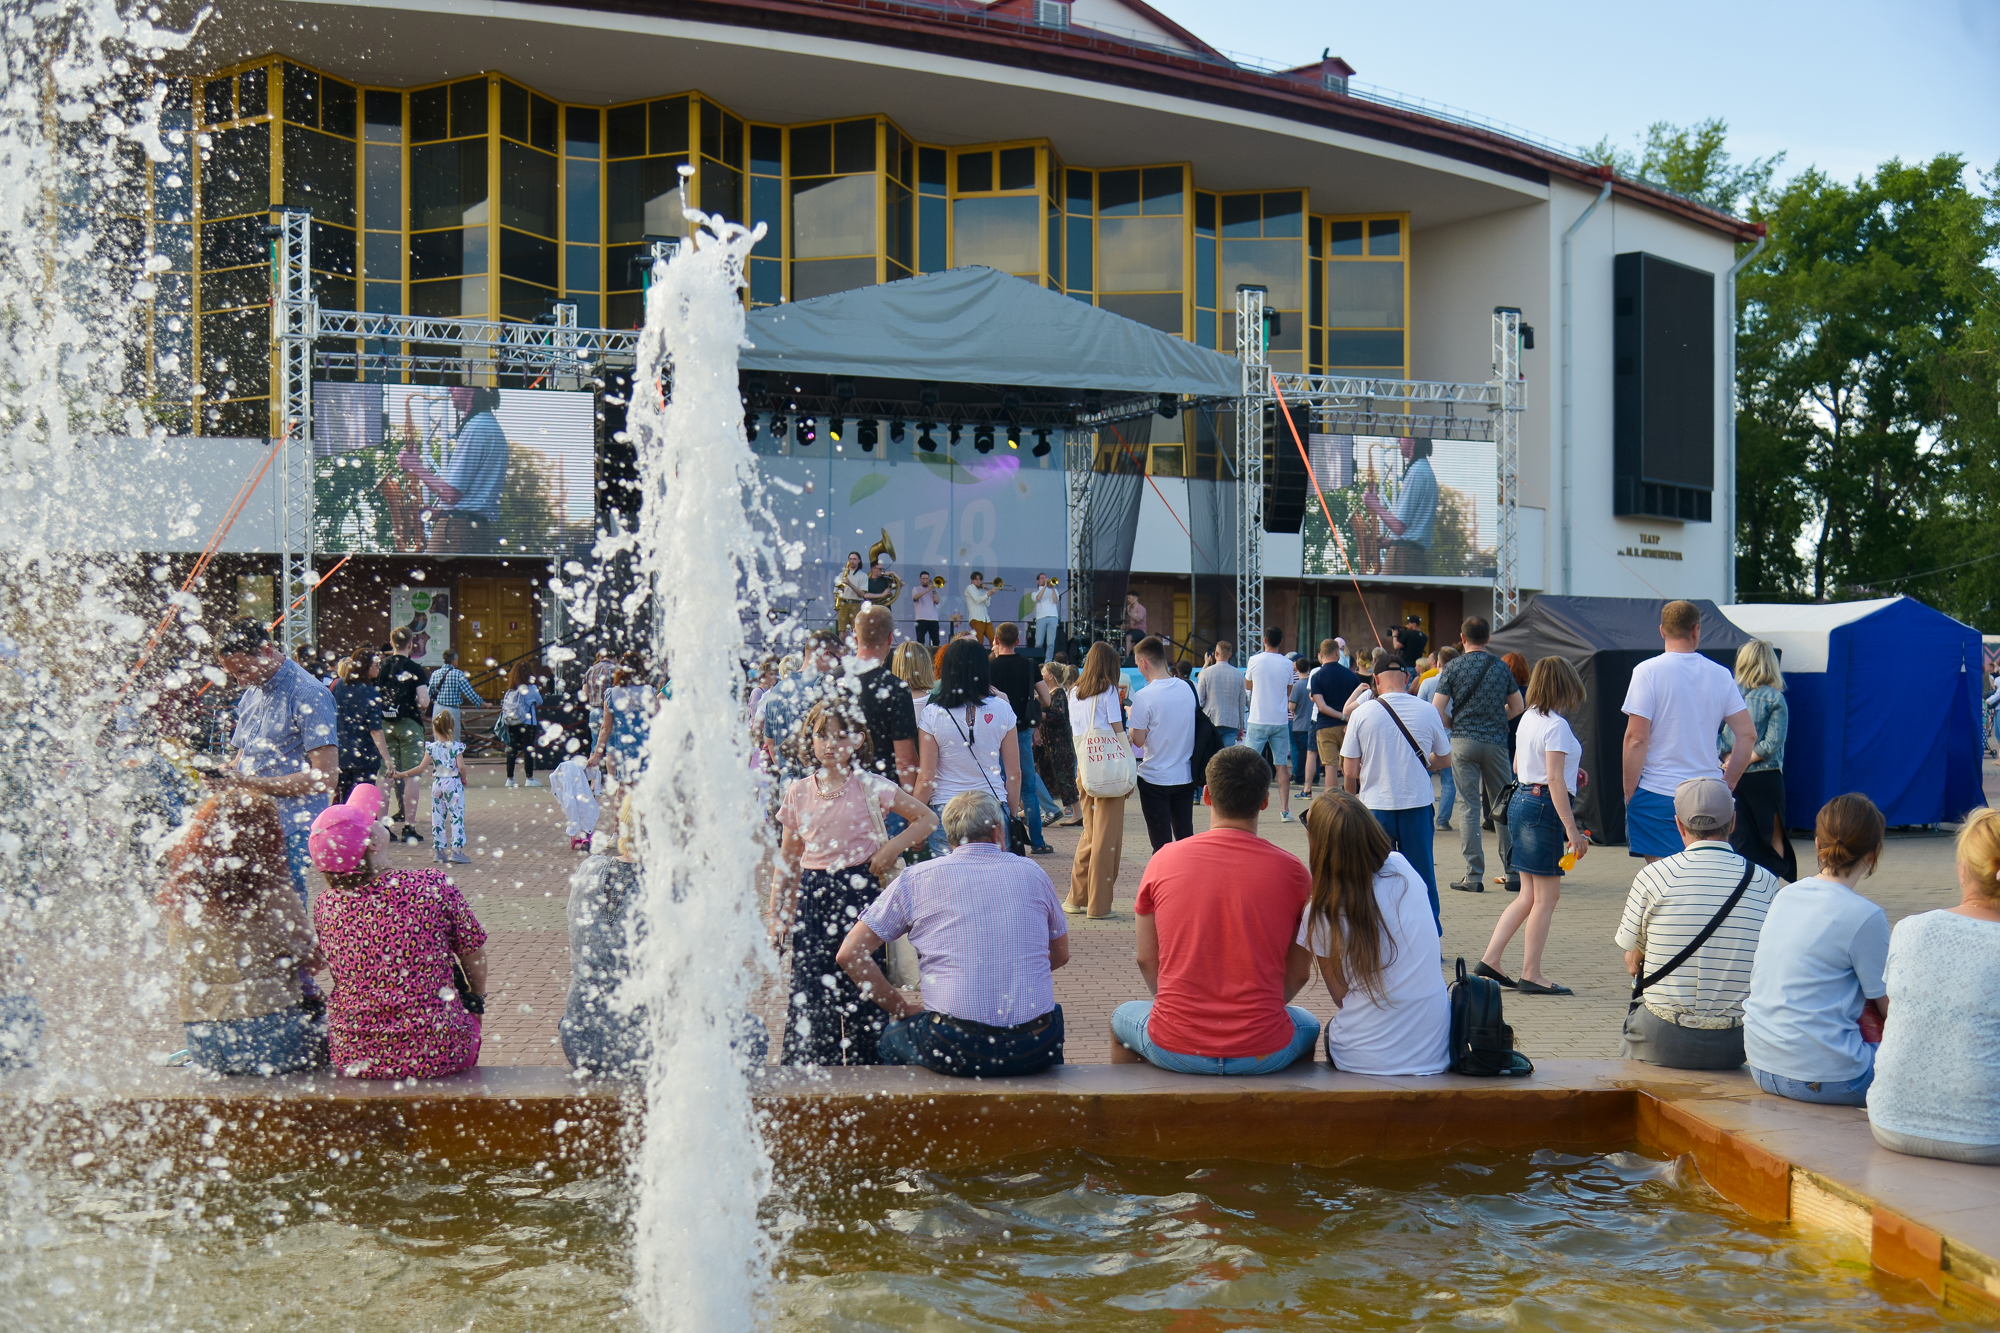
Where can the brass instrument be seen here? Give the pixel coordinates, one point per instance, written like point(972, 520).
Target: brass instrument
point(938, 581)
point(885, 550)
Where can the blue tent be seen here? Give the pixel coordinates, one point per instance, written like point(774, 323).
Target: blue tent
point(1884, 700)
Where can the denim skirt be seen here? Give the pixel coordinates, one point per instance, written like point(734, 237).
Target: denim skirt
point(1539, 842)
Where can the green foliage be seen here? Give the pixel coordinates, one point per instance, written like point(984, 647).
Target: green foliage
point(348, 512)
point(1691, 160)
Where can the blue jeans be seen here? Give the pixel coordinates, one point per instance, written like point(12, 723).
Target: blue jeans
point(1410, 832)
point(1302, 745)
point(947, 1045)
point(937, 846)
point(1450, 799)
point(267, 1044)
point(1853, 1092)
point(1031, 786)
point(1227, 735)
point(1045, 637)
point(1128, 1025)
point(298, 852)
point(1274, 734)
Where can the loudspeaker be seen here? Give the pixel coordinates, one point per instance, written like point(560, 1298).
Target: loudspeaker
point(1285, 482)
point(1663, 388)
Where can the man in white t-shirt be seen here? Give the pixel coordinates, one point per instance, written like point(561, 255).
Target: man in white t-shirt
point(1383, 766)
point(978, 609)
point(1268, 677)
point(1161, 725)
point(1047, 608)
point(1675, 707)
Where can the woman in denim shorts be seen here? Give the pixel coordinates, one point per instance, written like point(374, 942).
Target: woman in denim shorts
point(1542, 818)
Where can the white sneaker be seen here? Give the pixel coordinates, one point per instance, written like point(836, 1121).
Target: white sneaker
point(532, 782)
point(510, 782)
point(1285, 816)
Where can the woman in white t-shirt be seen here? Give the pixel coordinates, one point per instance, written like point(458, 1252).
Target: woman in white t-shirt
point(1093, 705)
point(965, 734)
point(1369, 924)
point(1542, 819)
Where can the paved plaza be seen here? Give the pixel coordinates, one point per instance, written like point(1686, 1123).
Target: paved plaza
point(518, 882)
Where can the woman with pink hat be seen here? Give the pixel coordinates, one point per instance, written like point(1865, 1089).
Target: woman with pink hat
point(407, 955)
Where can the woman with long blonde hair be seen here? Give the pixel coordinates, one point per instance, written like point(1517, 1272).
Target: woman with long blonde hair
point(1368, 925)
point(1094, 703)
point(1760, 793)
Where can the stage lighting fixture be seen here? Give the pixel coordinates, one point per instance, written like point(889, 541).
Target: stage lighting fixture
point(1041, 444)
point(843, 390)
point(1169, 405)
point(808, 430)
point(869, 435)
point(778, 425)
point(835, 427)
point(924, 440)
point(982, 437)
point(749, 425)
point(897, 432)
point(1013, 434)
point(956, 427)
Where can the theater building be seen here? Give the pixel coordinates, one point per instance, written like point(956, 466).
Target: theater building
point(492, 158)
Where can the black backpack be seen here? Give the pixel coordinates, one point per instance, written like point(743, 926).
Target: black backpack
point(1481, 1042)
point(1207, 741)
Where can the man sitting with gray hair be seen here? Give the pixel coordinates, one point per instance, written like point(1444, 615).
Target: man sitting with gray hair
point(988, 930)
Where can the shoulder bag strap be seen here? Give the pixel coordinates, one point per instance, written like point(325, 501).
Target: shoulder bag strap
point(973, 754)
point(1714, 924)
point(1403, 727)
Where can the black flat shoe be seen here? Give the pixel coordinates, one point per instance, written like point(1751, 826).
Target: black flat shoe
point(1495, 974)
point(1469, 886)
point(1535, 988)
point(1043, 849)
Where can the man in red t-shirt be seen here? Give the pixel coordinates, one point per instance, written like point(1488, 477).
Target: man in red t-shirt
point(1217, 916)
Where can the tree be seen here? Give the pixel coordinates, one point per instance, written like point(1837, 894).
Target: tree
point(1691, 160)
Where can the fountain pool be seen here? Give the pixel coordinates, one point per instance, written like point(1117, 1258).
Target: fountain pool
point(1068, 1239)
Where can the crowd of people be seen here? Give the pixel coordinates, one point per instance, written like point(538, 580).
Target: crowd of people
point(909, 788)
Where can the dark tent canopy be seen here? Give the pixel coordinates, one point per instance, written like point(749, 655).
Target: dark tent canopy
point(1604, 638)
point(976, 325)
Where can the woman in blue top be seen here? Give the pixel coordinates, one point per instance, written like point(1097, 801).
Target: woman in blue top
point(517, 712)
point(1760, 793)
point(358, 724)
point(1820, 959)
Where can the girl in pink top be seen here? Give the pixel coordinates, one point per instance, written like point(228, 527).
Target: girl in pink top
point(390, 937)
point(837, 849)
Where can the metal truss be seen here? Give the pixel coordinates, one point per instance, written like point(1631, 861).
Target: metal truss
point(1512, 400)
point(1358, 405)
point(1079, 462)
point(473, 347)
point(1251, 408)
point(294, 320)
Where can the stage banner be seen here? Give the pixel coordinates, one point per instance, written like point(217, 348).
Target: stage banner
point(408, 468)
point(1405, 508)
point(426, 614)
point(917, 515)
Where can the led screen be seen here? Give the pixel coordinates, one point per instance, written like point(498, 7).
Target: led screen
point(449, 470)
point(1402, 508)
point(946, 514)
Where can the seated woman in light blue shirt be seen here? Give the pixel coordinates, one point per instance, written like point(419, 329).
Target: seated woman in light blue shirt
point(1820, 959)
point(1937, 1079)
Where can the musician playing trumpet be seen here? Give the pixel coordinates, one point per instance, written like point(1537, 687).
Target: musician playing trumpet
point(925, 604)
point(1048, 599)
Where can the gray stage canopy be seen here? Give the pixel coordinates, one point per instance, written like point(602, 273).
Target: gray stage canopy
point(979, 326)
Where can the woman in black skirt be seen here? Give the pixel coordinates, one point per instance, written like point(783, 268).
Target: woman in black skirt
point(1760, 794)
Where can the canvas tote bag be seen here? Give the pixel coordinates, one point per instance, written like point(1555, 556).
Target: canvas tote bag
point(1104, 764)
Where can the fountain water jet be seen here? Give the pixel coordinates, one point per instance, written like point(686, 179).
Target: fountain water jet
point(700, 1261)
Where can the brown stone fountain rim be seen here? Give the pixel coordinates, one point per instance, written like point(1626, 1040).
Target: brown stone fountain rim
point(1935, 1223)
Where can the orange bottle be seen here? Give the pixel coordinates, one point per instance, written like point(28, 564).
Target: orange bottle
point(1568, 862)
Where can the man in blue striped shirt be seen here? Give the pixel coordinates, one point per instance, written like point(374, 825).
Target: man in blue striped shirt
point(451, 689)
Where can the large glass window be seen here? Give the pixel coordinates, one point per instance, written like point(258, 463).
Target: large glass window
point(767, 205)
point(1365, 283)
point(1142, 245)
point(834, 185)
point(933, 210)
point(998, 231)
point(833, 216)
point(1263, 244)
point(448, 184)
point(1079, 233)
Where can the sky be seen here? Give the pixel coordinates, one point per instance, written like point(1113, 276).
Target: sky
point(1843, 85)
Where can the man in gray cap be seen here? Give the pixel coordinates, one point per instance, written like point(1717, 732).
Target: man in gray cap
point(1692, 1016)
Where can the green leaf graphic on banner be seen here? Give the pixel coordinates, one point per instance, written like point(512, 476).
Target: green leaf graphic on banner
point(866, 487)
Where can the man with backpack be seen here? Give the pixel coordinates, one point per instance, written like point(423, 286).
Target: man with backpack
point(1394, 743)
point(405, 696)
point(1476, 697)
point(1162, 725)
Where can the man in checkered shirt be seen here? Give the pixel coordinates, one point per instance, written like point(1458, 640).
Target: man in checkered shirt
point(988, 930)
point(451, 690)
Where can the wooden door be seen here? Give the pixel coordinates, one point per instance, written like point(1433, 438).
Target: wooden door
point(496, 626)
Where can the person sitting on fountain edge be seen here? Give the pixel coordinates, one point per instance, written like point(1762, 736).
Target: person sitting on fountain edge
point(1217, 914)
point(988, 931)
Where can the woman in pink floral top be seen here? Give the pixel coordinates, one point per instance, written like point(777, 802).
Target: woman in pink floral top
point(389, 937)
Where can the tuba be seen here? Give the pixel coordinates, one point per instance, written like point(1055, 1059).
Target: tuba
point(885, 551)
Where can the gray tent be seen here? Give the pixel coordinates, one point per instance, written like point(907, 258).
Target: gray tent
point(979, 326)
